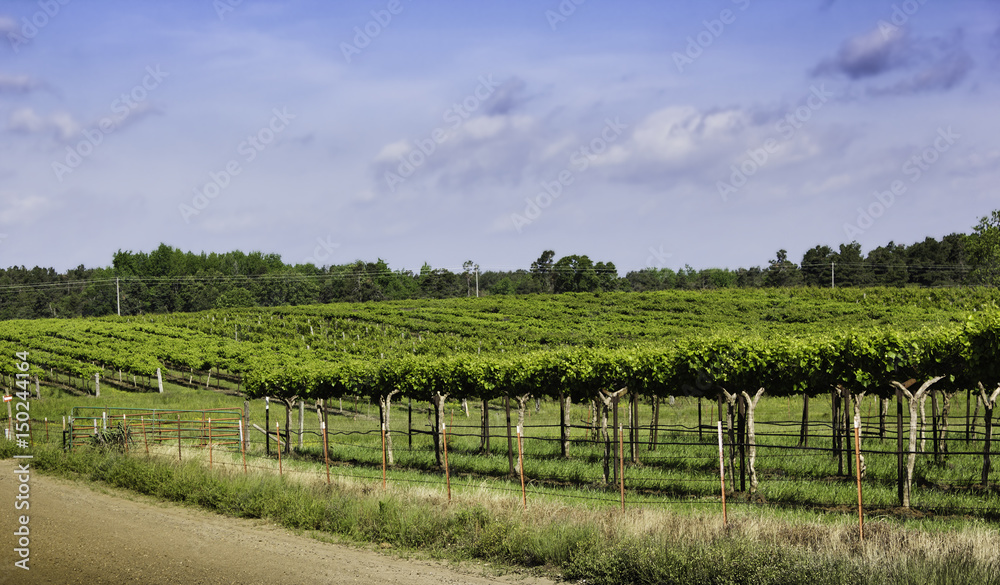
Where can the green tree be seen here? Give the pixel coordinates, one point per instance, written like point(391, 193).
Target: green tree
point(887, 265)
point(984, 250)
point(541, 269)
point(782, 272)
point(850, 266)
point(234, 298)
point(816, 266)
point(575, 274)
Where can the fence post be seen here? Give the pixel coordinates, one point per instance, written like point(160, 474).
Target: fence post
point(277, 433)
point(621, 465)
point(444, 446)
point(326, 451)
point(267, 425)
point(741, 425)
point(900, 466)
point(520, 465)
point(857, 455)
point(722, 474)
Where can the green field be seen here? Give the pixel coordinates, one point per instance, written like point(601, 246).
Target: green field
point(674, 352)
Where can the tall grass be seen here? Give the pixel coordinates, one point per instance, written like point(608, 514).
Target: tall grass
point(602, 545)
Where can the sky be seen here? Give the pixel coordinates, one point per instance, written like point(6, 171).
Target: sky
point(645, 133)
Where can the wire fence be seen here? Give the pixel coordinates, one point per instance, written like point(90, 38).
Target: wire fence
point(791, 463)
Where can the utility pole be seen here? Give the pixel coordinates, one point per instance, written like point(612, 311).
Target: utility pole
point(477, 281)
point(832, 282)
point(118, 295)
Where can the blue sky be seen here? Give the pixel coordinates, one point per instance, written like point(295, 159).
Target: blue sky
point(644, 133)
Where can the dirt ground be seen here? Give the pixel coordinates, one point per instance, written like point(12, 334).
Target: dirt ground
point(91, 535)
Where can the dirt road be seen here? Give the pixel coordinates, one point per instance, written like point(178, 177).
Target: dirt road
point(80, 534)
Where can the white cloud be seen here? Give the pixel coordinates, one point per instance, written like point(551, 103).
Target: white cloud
point(60, 125)
point(18, 83)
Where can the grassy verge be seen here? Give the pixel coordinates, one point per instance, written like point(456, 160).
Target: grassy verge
point(576, 542)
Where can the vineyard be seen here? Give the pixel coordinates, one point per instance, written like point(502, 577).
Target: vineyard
point(595, 383)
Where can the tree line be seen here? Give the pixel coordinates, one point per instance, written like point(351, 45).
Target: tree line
point(171, 280)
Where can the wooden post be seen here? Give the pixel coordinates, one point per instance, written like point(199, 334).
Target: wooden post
point(142, 420)
point(444, 446)
point(615, 428)
point(835, 420)
point(699, 417)
point(621, 466)
point(989, 401)
point(848, 408)
point(326, 451)
point(486, 428)
point(857, 455)
point(243, 446)
point(722, 474)
point(634, 433)
point(520, 466)
point(804, 430)
point(935, 436)
point(968, 413)
point(563, 442)
point(510, 442)
point(900, 465)
point(883, 411)
point(302, 422)
point(97, 385)
point(159, 379)
point(741, 423)
point(277, 433)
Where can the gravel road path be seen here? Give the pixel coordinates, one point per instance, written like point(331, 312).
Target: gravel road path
point(89, 535)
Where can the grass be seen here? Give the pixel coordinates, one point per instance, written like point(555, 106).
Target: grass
point(600, 545)
point(683, 468)
point(800, 524)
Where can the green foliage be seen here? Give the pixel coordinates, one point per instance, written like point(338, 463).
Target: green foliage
point(117, 438)
point(984, 250)
point(235, 298)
